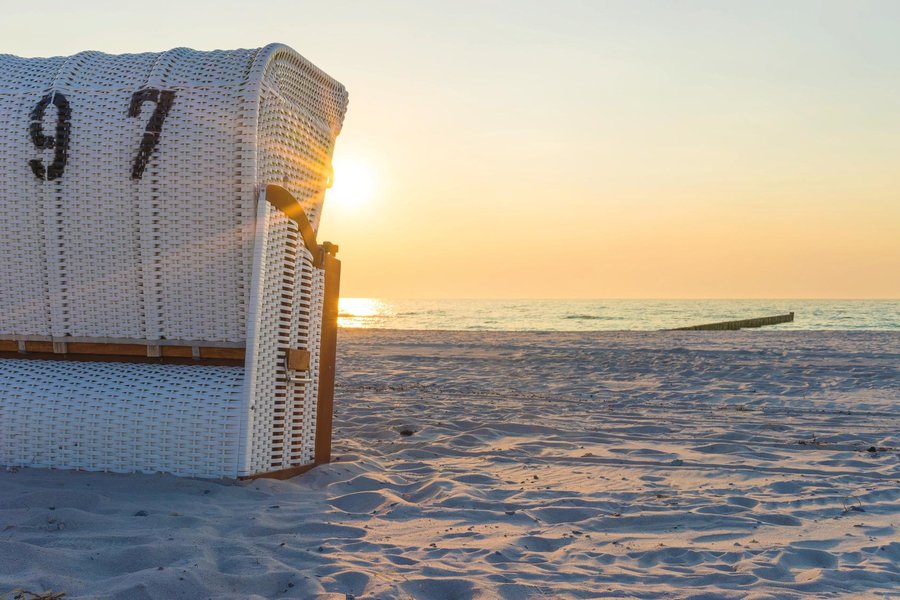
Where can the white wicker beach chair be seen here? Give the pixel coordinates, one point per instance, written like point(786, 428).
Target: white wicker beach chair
point(164, 304)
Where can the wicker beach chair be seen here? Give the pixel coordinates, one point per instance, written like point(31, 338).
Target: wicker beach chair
point(164, 303)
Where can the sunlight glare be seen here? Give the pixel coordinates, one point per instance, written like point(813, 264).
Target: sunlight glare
point(354, 183)
point(362, 312)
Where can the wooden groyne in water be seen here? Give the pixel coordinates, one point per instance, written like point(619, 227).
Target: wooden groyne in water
point(742, 324)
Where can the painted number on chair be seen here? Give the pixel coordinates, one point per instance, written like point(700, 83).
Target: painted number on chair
point(59, 142)
point(163, 100)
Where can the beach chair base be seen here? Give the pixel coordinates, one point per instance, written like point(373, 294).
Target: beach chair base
point(185, 408)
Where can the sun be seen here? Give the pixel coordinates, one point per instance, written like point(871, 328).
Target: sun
point(354, 183)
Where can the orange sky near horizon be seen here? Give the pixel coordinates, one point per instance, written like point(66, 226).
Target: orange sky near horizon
point(575, 149)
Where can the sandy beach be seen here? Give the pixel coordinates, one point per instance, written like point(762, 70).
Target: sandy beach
point(521, 465)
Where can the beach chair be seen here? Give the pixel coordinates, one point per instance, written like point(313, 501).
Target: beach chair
point(164, 303)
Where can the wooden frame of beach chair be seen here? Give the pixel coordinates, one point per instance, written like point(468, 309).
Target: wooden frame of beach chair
point(164, 303)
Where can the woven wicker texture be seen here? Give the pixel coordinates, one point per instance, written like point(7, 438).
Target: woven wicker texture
point(93, 251)
point(132, 209)
point(120, 417)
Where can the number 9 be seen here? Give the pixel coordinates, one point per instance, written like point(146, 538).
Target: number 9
point(59, 143)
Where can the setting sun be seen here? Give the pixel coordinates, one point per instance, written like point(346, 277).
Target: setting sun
point(354, 183)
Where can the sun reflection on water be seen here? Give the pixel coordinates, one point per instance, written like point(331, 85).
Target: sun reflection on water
point(362, 312)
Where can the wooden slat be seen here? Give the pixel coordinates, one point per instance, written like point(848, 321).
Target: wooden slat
point(176, 351)
point(327, 355)
point(280, 474)
point(39, 347)
point(123, 352)
point(106, 349)
point(226, 353)
point(157, 360)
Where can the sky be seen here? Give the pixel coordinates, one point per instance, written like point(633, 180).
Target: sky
point(633, 149)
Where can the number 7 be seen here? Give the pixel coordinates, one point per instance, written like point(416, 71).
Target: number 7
point(163, 100)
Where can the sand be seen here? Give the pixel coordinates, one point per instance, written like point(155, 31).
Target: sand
point(483, 465)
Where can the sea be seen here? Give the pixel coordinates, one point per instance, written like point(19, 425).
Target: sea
point(611, 315)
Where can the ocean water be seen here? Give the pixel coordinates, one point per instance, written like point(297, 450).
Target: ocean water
point(609, 315)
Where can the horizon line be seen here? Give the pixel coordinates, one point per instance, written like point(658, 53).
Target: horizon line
point(586, 298)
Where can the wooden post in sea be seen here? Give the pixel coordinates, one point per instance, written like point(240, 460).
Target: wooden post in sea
point(741, 324)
